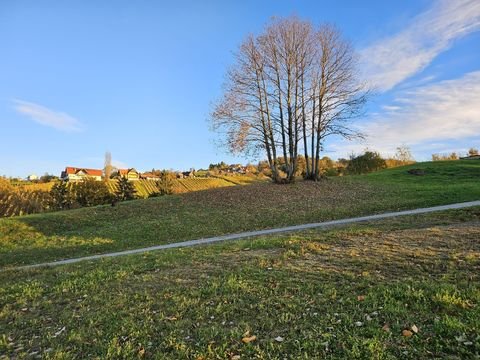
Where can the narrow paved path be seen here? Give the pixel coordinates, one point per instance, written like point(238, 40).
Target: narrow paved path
point(255, 233)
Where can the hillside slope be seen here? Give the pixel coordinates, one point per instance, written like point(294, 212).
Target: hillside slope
point(52, 236)
point(395, 289)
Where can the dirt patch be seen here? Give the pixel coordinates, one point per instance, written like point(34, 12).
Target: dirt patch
point(431, 252)
point(417, 172)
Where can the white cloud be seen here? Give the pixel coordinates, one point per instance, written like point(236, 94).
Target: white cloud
point(47, 117)
point(391, 60)
point(425, 118)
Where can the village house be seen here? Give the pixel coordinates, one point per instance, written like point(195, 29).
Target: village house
point(149, 176)
point(77, 174)
point(188, 174)
point(130, 174)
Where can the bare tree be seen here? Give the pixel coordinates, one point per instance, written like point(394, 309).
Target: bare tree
point(107, 169)
point(472, 152)
point(291, 88)
point(404, 155)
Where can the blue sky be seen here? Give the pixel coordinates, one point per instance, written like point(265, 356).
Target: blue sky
point(79, 78)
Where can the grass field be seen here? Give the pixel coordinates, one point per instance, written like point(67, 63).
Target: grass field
point(51, 236)
point(400, 288)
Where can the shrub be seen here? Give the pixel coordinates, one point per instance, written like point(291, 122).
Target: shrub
point(90, 193)
point(368, 162)
point(166, 182)
point(61, 196)
point(125, 190)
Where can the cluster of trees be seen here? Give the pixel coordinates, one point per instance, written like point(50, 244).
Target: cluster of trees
point(292, 87)
point(445, 157)
point(453, 156)
point(356, 164)
point(90, 192)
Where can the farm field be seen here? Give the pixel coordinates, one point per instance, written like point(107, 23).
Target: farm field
point(399, 288)
point(53, 236)
point(23, 199)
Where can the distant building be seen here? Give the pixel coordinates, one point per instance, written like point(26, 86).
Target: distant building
point(471, 157)
point(188, 174)
point(149, 176)
point(78, 174)
point(130, 174)
point(32, 177)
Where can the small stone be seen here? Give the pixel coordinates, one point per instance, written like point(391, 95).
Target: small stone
point(407, 333)
point(359, 323)
point(279, 339)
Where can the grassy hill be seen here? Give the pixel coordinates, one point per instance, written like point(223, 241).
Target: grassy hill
point(133, 224)
point(400, 288)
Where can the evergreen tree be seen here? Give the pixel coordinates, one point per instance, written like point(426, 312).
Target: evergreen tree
point(61, 197)
point(165, 184)
point(125, 190)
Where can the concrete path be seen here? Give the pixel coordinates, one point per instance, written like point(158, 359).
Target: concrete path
point(255, 233)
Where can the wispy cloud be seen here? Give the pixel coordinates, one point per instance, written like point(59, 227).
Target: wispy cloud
point(425, 118)
point(391, 60)
point(47, 117)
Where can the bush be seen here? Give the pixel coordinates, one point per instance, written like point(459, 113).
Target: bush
point(125, 190)
point(61, 196)
point(90, 193)
point(166, 182)
point(366, 163)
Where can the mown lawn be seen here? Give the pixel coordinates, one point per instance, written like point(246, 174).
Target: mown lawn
point(400, 288)
point(53, 236)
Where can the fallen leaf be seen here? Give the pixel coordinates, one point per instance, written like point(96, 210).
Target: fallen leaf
point(414, 328)
point(386, 327)
point(235, 357)
point(171, 318)
point(361, 297)
point(279, 339)
point(407, 333)
point(249, 339)
point(359, 323)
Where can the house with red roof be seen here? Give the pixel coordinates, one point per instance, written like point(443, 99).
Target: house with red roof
point(130, 174)
point(77, 174)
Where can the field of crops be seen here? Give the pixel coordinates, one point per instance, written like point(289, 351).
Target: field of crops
point(145, 188)
point(18, 202)
point(239, 179)
point(33, 186)
point(22, 199)
point(197, 184)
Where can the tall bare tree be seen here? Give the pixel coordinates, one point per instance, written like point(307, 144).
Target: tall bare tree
point(107, 168)
point(291, 88)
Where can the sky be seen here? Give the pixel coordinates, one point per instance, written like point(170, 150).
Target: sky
point(139, 78)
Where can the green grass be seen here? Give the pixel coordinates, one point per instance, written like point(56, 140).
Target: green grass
point(340, 293)
point(52, 236)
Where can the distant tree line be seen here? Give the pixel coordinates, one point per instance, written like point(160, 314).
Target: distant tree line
point(453, 156)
